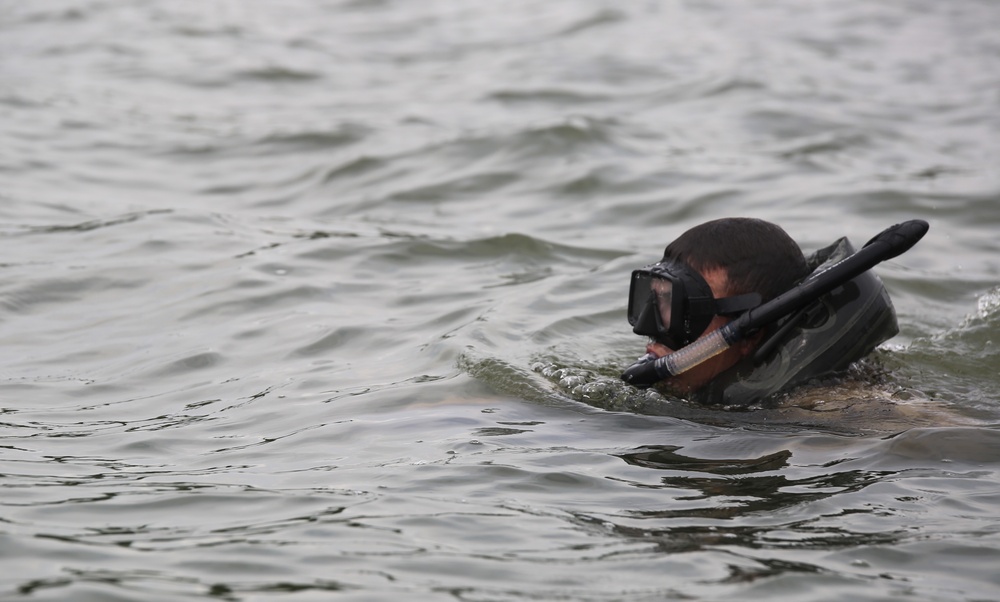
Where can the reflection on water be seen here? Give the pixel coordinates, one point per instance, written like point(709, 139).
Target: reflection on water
point(742, 492)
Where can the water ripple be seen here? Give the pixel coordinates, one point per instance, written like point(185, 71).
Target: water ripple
point(312, 299)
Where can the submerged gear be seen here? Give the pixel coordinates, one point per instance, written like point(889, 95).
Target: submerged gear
point(819, 340)
point(671, 303)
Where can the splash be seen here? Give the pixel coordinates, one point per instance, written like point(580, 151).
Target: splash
point(988, 306)
point(865, 399)
point(959, 365)
point(601, 391)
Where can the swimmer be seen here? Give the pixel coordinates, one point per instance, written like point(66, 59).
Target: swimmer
point(769, 317)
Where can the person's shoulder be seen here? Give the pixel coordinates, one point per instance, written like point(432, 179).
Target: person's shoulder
point(861, 407)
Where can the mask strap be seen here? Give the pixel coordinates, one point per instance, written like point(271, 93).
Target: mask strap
point(729, 306)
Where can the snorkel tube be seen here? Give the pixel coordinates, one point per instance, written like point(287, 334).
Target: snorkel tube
point(891, 242)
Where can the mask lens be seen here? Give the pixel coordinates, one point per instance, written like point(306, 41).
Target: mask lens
point(662, 291)
point(650, 305)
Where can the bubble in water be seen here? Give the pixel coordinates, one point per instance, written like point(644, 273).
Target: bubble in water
point(595, 391)
point(989, 303)
point(571, 382)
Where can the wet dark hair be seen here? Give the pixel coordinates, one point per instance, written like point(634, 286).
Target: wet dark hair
point(758, 256)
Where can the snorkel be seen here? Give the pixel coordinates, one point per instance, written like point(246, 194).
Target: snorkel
point(891, 242)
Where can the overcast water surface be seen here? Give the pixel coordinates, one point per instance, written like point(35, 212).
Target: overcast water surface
point(325, 299)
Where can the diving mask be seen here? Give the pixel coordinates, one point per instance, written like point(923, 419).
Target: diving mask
point(671, 303)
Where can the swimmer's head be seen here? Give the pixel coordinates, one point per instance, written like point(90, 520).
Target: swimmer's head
point(708, 276)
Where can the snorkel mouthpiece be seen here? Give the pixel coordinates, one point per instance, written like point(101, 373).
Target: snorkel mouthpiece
point(891, 242)
point(649, 369)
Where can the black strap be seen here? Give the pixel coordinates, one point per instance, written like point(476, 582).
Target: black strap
point(729, 306)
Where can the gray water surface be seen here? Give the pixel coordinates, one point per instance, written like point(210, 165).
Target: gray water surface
point(323, 300)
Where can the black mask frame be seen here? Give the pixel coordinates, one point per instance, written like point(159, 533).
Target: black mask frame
point(692, 304)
